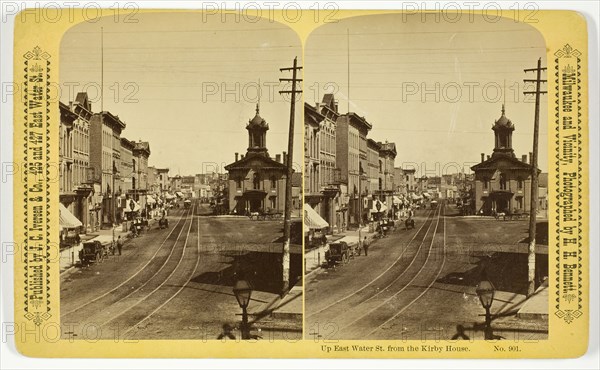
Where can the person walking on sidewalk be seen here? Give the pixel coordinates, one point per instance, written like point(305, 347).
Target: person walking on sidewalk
point(119, 244)
point(366, 246)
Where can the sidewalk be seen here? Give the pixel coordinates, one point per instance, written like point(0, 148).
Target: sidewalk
point(315, 257)
point(70, 256)
point(270, 311)
point(536, 306)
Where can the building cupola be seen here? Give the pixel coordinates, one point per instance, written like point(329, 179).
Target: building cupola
point(503, 129)
point(257, 134)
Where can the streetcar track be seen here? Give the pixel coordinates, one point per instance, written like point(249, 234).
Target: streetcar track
point(425, 290)
point(378, 276)
point(421, 269)
point(132, 276)
point(165, 280)
point(178, 291)
point(407, 267)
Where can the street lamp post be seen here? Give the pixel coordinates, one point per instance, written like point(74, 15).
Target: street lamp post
point(485, 291)
point(243, 291)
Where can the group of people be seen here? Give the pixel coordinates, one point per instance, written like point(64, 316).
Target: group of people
point(364, 245)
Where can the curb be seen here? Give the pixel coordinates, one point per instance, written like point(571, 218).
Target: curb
point(68, 271)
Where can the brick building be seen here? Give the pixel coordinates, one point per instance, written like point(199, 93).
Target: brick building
point(256, 181)
point(502, 182)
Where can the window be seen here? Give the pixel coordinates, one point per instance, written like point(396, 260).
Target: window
point(274, 203)
point(238, 183)
point(502, 182)
point(485, 184)
point(256, 181)
point(520, 184)
point(273, 182)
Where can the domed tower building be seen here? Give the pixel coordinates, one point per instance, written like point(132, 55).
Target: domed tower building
point(256, 182)
point(502, 182)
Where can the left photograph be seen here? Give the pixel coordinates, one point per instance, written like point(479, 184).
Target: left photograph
point(180, 179)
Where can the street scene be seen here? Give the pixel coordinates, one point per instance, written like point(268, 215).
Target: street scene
point(426, 212)
point(193, 229)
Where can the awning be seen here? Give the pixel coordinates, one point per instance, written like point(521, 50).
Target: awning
point(416, 197)
point(132, 206)
point(312, 219)
point(67, 220)
point(426, 195)
point(378, 206)
point(150, 199)
point(169, 196)
point(179, 194)
point(397, 200)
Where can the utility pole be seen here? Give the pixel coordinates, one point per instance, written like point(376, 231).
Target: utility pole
point(534, 174)
point(288, 181)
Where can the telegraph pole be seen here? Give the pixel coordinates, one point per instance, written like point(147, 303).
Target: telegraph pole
point(534, 174)
point(288, 182)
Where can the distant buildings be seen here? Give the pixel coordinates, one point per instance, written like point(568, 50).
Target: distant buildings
point(404, 180)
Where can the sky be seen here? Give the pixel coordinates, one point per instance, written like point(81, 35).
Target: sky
point(186, 84)
point(398, 65)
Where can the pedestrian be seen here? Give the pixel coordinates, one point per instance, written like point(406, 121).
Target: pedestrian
point(119, 244)
point(366, 246)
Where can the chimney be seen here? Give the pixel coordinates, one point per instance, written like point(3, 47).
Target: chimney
point(524, 158)
point(278, 158)
point(488, 157)
point(236, 156)
point(284, 158)
point(530, 157)
point(482, 157)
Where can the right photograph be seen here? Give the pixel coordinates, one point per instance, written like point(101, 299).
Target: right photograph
point(426, 179)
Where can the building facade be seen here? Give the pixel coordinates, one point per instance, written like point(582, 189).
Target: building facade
point(105, 159)
point(386, 182)
point(127, 167)
point(502, 182)
point(65, 157)
point(373, 165)
point(89, 202)
point(331, 208)
point(256, 182)
point(351, 159)
point(312, 152)
point(164, 184)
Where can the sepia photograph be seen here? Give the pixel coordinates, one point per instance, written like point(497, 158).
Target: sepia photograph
point(426, 179)
point(181, 179)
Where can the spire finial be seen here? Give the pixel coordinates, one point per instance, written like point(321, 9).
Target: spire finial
point(258, 101)
point(504, 95)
